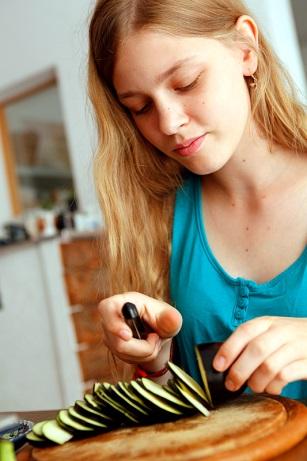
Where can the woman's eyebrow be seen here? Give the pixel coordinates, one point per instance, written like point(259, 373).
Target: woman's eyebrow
point(167, 73)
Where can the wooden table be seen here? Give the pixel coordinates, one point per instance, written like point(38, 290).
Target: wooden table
point(298, 453)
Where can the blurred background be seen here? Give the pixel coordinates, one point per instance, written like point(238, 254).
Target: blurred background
point(51, 255)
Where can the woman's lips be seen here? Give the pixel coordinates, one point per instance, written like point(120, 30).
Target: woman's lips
point(190, 147)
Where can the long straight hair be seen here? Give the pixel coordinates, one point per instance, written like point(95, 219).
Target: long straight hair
point(136, 184)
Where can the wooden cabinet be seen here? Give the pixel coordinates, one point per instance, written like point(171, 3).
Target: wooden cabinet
point(83, 263)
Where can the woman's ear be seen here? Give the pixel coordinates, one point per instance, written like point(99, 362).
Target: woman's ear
point(248, 29)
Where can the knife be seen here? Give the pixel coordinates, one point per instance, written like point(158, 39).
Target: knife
point(140, 329)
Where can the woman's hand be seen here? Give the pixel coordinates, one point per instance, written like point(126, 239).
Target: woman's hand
point(266, 352)
point(164, 320)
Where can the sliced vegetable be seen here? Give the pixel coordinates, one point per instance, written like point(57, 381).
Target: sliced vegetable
point(157, 401)
point(188, 381)
point(54, 432)
point(163, 393)
point(85, 420)
point(191, 397)
point(38, 428)
point(109, 406)
point(66, 420)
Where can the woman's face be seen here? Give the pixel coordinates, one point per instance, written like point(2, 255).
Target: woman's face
point(186, 95)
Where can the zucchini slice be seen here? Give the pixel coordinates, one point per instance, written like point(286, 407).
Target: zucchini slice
point(192, 398)
point(188, 381)
point(86, 410)
point(37, 429)
point(54, 432)
point(105, 386)
point(92, 402)
point(37, 441)
point(32, 437)
point(85, 420)
point(141, 401)
point(96, 386)
point(203, 374)
point(160, 391)
point(128, 389)
point(101, 396)
point(171, 385)
point(64, 418)
point(124, 400)
point(118, 410)
point(157, 401)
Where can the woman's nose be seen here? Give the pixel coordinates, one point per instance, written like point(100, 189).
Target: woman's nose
point(171, 118)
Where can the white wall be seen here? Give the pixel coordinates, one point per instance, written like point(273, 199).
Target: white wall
point(36, 35)
point(277, 22)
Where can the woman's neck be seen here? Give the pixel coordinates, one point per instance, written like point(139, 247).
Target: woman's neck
point(254, 171)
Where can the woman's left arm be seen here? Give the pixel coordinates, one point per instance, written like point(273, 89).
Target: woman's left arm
point(266, 352)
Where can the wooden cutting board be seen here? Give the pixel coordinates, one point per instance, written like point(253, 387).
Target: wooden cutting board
point(251, 428)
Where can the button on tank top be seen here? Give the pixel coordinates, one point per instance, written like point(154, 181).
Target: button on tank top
point(213, 303)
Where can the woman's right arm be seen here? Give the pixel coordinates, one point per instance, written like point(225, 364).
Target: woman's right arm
point(151, 353)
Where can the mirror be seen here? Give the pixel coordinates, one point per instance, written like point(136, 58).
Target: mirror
point(36, 130)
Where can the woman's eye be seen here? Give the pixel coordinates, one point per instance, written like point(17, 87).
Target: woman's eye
point(189, 86)
point(143, 110)
point(146, 108)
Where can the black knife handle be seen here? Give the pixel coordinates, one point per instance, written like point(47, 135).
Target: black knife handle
point(139, 328)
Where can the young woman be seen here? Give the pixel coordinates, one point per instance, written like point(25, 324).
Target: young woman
point(201, 172)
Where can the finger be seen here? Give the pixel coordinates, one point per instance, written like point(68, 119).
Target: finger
point(160, 316)
point(143, 359)
point(295, 371)
point(276, 387)
point(273, 366)
point(118, 329)
point(168, 322)
point(136, 349)
point(235, 344)
point(165, 320)
point(112, 320)
point(257, 351)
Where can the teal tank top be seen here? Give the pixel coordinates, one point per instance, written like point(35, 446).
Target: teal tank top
point(212, 303)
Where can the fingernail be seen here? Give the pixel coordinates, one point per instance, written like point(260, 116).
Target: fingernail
point(125, 334)
point(219, 363)
point(230, 385)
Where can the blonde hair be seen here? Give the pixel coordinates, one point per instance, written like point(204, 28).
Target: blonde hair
point(136, 184)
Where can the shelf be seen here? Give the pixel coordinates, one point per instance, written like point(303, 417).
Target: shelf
point(42, 172)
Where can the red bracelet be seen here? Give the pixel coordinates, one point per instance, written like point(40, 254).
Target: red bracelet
point(141, 373)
